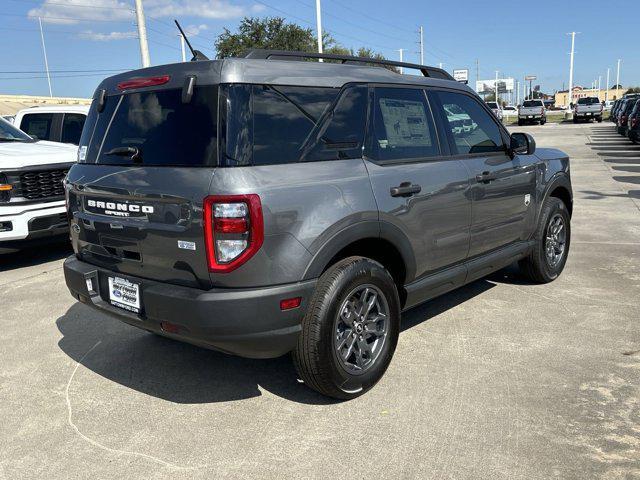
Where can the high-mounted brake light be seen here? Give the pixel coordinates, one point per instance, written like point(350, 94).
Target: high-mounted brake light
point(143, 82)
point(233, 230)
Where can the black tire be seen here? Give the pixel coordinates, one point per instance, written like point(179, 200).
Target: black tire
point(599, 119)
point(316, 354)
point(575, 120)
point(543, 121)
point(520, 122)
point(537, 267)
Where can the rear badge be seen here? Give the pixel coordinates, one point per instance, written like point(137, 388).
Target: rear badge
point(186, 245)
point(527, 199)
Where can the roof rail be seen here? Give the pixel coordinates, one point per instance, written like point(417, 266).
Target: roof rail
point(257, 53)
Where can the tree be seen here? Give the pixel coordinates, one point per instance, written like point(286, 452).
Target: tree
point(633, 90)
point(274, 33)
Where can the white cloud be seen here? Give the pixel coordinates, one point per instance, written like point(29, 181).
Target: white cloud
point(214, 9)
point(74, 11)
point(193, 30)
point(107, 37)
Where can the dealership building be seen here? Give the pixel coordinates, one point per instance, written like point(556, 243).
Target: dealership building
point(581, 92)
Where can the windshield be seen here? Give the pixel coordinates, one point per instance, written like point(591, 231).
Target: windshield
point(588, 101)
point(532, 103)
point(492, 104)
point(153, 128)
point(9, 133)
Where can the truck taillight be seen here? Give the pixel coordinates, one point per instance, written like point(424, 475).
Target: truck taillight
point(233, 230)
point(542, 111)
point(633, 122)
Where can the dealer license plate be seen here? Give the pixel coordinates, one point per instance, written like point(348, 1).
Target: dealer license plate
point(124, 294)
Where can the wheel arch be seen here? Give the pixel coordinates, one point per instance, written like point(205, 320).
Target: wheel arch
point(380, 241)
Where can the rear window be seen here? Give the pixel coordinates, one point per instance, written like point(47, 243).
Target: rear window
point(531, 103)
point(157, 126)
point(492, 104)
point(588, 101)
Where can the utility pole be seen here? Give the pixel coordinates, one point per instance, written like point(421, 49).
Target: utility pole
point(46, 62)
point(496, 86)
point(440, 65)
point(477, 71)
point(421, 46)
point(599, 85)
point(618, 81)
point(319, 27)
point(606, 92)
point(570, 95)
point(401, 50)
point(142, 35)
point(518, 92)
point(184, 56)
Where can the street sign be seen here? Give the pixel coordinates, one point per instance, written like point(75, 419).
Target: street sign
point(530, 77)
point(461, 76)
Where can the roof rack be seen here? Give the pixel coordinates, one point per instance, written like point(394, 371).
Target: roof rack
point(261, 54)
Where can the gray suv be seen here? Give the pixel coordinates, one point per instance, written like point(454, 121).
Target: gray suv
point(261, 206)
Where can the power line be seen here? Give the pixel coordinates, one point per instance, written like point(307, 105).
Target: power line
point(363, 14)
point(73, 5)
point(75, 19)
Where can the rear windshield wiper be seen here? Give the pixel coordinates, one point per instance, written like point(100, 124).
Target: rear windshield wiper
point(132, 152)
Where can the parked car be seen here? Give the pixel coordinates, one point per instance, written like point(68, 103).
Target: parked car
point(31, 192)
point(633, 119)
point(623, 115)
point(607, 105)
point(532, 111)
point(317, 202)
point(57, 123)
point(509, 111)
point(496, 108)
point(587, 108)
point(8, 118)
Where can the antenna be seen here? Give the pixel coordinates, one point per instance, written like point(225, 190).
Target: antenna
point(197, 54)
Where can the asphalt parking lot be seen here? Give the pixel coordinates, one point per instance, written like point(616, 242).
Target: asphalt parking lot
point(500, 379)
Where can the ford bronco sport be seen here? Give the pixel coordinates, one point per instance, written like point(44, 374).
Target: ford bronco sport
point(261, 206)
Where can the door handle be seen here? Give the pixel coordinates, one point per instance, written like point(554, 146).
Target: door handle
point(485, 177)
point(405, 189)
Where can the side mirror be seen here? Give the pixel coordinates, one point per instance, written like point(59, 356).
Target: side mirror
point(522, 144)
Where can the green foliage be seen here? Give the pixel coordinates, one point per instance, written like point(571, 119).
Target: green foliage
point(633, 90)
point(274, 33)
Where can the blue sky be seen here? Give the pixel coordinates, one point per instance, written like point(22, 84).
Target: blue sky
point(88, 39)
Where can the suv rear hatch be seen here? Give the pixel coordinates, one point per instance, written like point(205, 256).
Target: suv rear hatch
point(145, 163)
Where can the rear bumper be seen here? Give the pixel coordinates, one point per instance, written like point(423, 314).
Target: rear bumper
point(244, 322)
point(530, 117)
point(588, 115)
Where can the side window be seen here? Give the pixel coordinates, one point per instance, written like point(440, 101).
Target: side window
point(38, 124)
point(342, 134)
point(283, 118)
point(473, 129)
point(402, 125)
point(72, 124)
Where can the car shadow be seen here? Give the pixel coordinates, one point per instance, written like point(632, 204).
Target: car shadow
point(35, 255)
point(183, 373)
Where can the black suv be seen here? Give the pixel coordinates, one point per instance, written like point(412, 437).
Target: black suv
point(261, 206)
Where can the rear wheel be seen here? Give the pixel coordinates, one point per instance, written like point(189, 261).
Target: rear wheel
point(520, 122)
point(575, 120)
point(350, 330)
point(552, 240)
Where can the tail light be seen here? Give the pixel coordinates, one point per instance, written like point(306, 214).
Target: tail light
point(143, 82)
point(623, 119)
point(542, 111)
point(233, 229)
point(633, 122)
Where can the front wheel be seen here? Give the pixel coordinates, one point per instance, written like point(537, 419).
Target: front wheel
point(520, 122)
point(552, 239)
point(350, 330)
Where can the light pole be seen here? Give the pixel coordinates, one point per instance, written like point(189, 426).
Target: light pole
point(319, 27)
point(618, 81)
point(184, 55)
point(570, 95)
point(606, 91)
point(401, 50)
point(142, 35)
point(46, 62)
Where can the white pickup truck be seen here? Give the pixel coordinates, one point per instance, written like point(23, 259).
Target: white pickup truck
point(532, 111)
point(56, 123)
point(588, 108)
point(32, 205)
